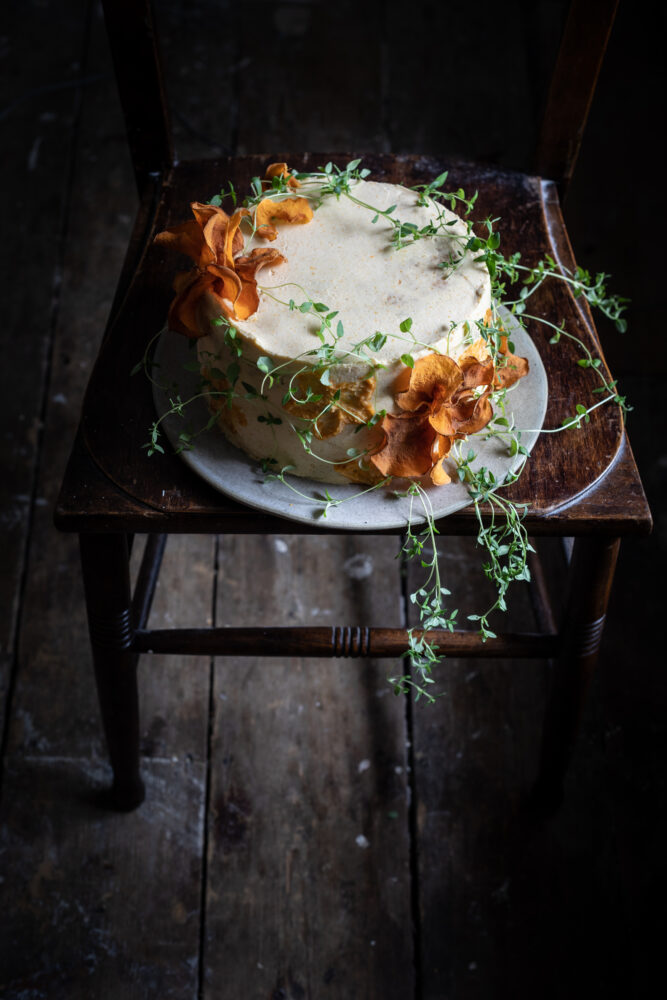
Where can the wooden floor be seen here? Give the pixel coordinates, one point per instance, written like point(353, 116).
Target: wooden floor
point(306, 834)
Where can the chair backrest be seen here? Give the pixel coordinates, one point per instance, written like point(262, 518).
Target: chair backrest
point(136, 57)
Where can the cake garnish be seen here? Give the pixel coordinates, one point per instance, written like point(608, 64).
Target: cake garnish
point(268, 212)
point(213, 241)
point(441, 402)
point(279, 170)
point(330, 407)
point(446, 400)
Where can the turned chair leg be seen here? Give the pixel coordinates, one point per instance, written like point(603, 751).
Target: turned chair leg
point(106, 576)
point(591, 575)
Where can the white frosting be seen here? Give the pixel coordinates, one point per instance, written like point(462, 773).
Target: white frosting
point(343, 259)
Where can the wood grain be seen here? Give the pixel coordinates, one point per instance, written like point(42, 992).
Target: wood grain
point(103, 904)
point(572, 88)
point(135, 51)
point(308, 888)
point(37, 135)
point(96, 904)
point(475, 753)
point(559, 470)
point(336, 641)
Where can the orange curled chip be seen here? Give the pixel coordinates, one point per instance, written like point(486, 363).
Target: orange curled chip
point(406, 451)
point(354, 404)
point(441, 401)
point(513, 369)
point(294, 210)
point(439, 452)
point(247, 302)
point(213, 240)
point(185, 314)
point(476, 373)
point(279, 170)
point(434, 373)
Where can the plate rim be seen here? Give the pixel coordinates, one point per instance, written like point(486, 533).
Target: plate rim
point(356, 500)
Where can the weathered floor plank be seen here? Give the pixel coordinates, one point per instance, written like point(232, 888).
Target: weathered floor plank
point(107, 905)
point(473, 752)
point(36, 133)
point(126, 889)
point(115, 900)
point(512, 896)
point(104, 905)
point(308, 889)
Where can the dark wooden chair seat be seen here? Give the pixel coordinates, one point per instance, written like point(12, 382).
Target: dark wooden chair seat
point(581, 483)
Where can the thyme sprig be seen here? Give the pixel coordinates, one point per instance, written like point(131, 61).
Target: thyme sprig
point(501, 531)
point(422, 653)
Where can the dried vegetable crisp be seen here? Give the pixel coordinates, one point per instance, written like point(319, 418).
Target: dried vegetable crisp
point(435, 401)
point(412, 408)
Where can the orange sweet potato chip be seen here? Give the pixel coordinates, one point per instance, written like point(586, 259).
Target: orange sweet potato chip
point(440, 401)
point(354, 404)
point(234, 237)
point(219, 232)
point(213, 240)
point(185, 310)
point(439, 452)
point(213, 237)
point(293, 210)
point(187, 238)
point(407, 448)
point(247, 267)
point(247, 302)
point(360, 471)
point(478, 350)
point(510, 373)
point(470, 413)
point(279, 170)
point(438, 475)
point(435, 371)
point(476, 372)
point(440, 418)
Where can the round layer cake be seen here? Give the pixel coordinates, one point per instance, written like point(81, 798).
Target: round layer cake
point(342, 259)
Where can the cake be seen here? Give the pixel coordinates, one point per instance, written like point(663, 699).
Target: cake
point(326, 349)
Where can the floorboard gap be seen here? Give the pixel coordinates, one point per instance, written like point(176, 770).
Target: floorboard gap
point(53, 322)
point(207, 791)
point(415, 901)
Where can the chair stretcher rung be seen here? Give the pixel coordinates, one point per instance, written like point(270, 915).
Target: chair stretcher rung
point(335, 641)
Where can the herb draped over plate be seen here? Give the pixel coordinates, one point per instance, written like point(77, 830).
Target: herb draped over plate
point(501, 531)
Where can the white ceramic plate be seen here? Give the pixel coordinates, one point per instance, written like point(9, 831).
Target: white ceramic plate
point(238, 476)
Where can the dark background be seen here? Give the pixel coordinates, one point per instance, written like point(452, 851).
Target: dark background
point(462, 80)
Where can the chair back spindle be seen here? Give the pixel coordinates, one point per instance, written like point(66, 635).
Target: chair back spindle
point(570, 94)
point(136, 58)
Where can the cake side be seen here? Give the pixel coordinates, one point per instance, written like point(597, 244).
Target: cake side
point(342, 260)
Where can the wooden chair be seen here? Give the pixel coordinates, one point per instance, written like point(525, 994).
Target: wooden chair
point(583, 485)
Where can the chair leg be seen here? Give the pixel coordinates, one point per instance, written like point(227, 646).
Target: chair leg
point(591, 575)
point(106, 576)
